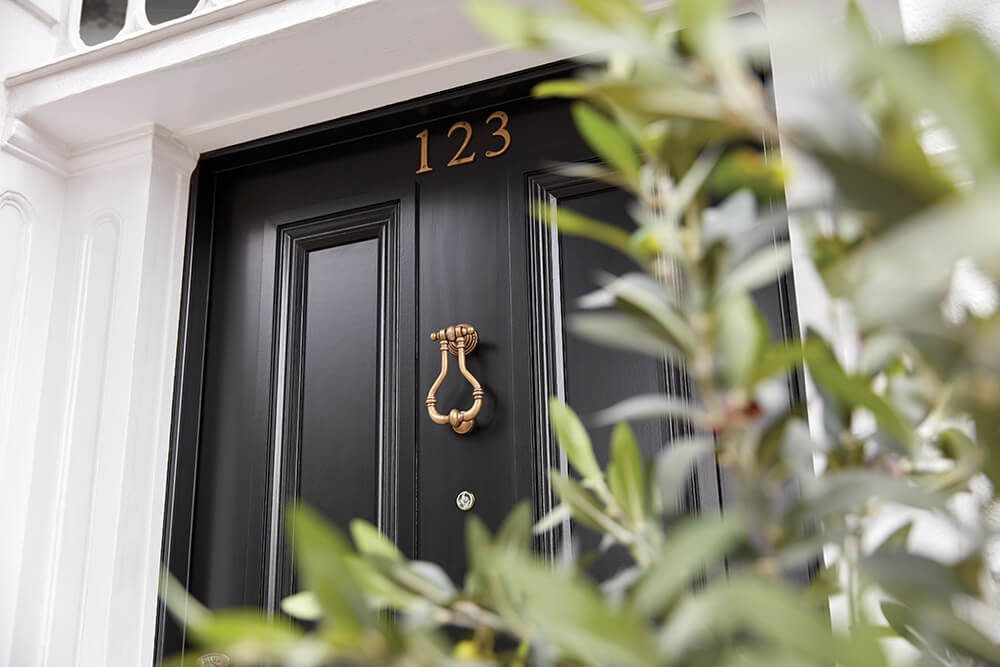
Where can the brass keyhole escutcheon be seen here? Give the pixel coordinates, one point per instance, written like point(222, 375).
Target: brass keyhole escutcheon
point(459, 341)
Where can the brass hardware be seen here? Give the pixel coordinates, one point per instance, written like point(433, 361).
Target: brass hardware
point(465, 500)
point(459, 340)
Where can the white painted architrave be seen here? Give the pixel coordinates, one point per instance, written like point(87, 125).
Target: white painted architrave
point(95, 489)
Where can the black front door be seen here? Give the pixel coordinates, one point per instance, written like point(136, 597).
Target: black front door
point(319, 264)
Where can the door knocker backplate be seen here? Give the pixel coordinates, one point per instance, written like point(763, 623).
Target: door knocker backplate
point(458, 340)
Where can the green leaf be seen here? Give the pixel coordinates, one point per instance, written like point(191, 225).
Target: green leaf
point(559, 515)
point(249, 636)
point(608, 141)
point(937, 628)
point(574, 440)
point(840, 492)
point(321, 554)
point(571, 614)
point(953, 76)
point(515, 531)
point(371, 542)
point(909, 576)
point(611, 12)
point(742, 604)
point(375, 577)
point(640, 295)
point(674, 466)
point(570, 222)
point(651, 406)
point(694, 14)
point(852, 391)
point(585, 509)
point(627, 481)
point(303, 606)
point(622, 331)
point(742, 338)
point(691, 547)
point(914, 262)
point(759, 270)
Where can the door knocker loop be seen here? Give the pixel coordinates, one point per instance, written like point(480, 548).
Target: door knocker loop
point(459, 340)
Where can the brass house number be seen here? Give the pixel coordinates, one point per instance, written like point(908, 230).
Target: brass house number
point(462, 127)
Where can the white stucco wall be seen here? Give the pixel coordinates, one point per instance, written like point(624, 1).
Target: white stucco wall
point(93, 184)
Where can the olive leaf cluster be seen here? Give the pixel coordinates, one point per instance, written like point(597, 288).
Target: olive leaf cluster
point(881, 495)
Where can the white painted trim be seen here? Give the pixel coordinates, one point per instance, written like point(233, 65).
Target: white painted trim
point(39, 11)
point(129, 41)
point(23, 141)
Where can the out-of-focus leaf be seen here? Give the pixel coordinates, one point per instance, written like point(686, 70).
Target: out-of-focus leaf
point(608, 141)
point(742, 337)
point(640, 295)
point(767, 609)
point(303, 606)
point(779, 358)
point(375, 577)
point(748, 171)
point(909, 576)
point(570, 613)
point(899, 538)
point(248, 636)
point(574, 440)
point(626, 477)
point(907, 269)
point(584, 508)
point(435, 576)
point(612, 12)
point(623, 331)
point(559, 515)
point(515, 531)
point(371, 542)
point(761, 269)
point(730, 220)
point(939, 628)
point(852, 391)
point(665, 100)
point(651, 406)
point(578, 35)
point(953, 76)
point(674, 465)
point(692, 546)
point(570, 222)
point(969, 457)
point(693, 14)
point(321, 555)
point(839, 492)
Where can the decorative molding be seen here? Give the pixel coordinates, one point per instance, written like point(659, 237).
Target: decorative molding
point(150, 141)
point(78, 450)
point(126, 42)
point(16, 280)
point(297, 241)
point(39, 11)
point(30, 145)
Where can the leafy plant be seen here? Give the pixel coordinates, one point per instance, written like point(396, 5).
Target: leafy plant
point(904, 411)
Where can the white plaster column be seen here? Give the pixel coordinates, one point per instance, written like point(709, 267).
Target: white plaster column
point(88, 581)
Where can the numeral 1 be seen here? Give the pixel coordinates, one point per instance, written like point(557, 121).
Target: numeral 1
point(424, 167)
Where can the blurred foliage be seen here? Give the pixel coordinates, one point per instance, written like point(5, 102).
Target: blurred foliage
point(903, 427)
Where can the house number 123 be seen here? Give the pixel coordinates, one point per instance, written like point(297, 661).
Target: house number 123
point(501, 132)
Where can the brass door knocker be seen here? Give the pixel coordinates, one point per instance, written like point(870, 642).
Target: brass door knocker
point(459, 340)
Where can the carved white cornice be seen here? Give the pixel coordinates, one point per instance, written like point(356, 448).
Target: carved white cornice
point(153, 141)
point(25, 142)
